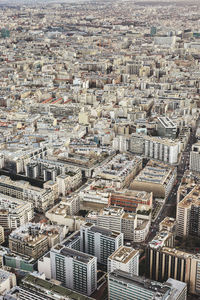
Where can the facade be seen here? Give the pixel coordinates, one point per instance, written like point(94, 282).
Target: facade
point(14, 212)
point(40, 198)
point(156, 177)
point(122, 285)
point(99, 242)
point(125, 259)
point(75, 269)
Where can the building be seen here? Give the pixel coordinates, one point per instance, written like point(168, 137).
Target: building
point(164, 262)
point(42, 199)
point(36, 288)
point(99, 242)
point(119, 171)
point(166, 128)
point(122, 285)
point(7, 281)
point(156, 177)
point(34, 240)
point(130, 199)
point(165, 150)
point(2, 238)
point(134, 226)
point(75, 269)
point(195, 157)
point(168, 224)
point(14, 212)
point(125, 259)
point(188, 214)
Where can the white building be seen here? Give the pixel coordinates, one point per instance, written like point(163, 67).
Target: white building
point(99, 241)
point(75, 269)
point(125, 259)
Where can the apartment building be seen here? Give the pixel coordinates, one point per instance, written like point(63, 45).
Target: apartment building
point(34, 240)
point(75, 269)
point(99, 242)
point(165, 150)
point(125, 259)
point(122, 285)
point(2, 237)
point(14, 212)
point(42, 199)
point(156, 177)
point(119, 171)
point(195, 157)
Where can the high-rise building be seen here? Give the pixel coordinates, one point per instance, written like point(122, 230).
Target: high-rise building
point(164, 262)
point(75, 269)
point(99, 241)
point(122, 285)
point(195, 157)
point(125, 259)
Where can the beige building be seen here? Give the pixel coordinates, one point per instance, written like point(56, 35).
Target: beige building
point(156, 177)
point(7, 281)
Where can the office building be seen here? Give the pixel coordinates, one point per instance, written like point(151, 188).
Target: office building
point(166, 128)
point(37, 288)
point(125, 259)
point(75, 269)
point(130, 199)
point(122, 285)
point(164, 262)
point(99, 242)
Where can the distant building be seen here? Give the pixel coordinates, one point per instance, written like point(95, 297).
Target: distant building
point(195, 157)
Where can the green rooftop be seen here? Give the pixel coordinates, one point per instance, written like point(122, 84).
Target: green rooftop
point(56, 289)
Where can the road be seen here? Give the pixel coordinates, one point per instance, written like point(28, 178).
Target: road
point(169, 208)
